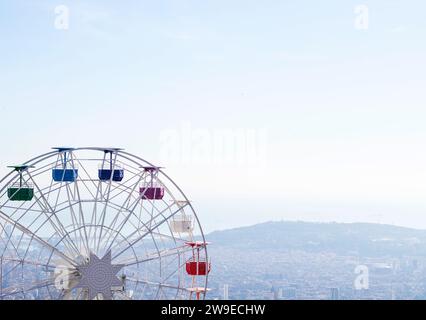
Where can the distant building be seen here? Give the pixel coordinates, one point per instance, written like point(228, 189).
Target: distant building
point(289, 293)
point(278, 293)
point(225, 292)
point(334, 292)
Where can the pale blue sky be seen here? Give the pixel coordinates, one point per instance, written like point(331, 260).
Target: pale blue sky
point(344, 109)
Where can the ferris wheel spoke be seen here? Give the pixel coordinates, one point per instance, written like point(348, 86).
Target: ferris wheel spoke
point(26, 210)
point(93, 219)
point(28, 227)
point(174, 272)
point(123, 213)
point(120, 210)
point(68, 243)
point(130, 212)
point(160, 214)
point(22, 235)
point(80, 164)
point(6, 244)
point(14, 290)
point(19, 263)
point(111, 205)
point(22, 207)
point(142, 234)
point(138, 227)
point(123, 223)
point(94, 211)
point(145, 233)
point(157, 294)
point(29, 262)
point(69, 239)
point(11, 270)
point(80, 208)
point(37, 238)
point(103, 214)
point(78, 242)
point(50, 212)
point(122, 188)
point(159, 255)
point(88, 233)
point(80, 201)
point(153, 283)
point(110, 227)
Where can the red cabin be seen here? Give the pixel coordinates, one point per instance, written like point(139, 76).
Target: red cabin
point(198, 268)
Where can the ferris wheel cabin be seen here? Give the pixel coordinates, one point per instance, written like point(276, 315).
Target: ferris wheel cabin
point(63, 173)
point(181, 224)
point(108, 170)
point(20, 190)
point(197, 266)
point(105, 174)
point(151, 191)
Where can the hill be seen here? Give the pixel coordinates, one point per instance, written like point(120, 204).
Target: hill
point(341, 238)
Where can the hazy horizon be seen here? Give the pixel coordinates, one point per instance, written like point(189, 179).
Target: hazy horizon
point(315, 222)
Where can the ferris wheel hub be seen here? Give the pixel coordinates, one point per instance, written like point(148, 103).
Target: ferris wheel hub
point(99, 276)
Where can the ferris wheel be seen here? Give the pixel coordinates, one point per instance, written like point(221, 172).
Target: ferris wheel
point(98, 223)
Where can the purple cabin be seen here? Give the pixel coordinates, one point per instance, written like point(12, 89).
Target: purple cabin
point(152, 193)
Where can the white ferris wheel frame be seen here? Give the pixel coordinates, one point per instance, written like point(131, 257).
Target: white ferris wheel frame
point(64, 232)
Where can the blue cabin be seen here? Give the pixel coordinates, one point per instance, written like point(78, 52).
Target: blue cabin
point(64, 175)
point(108, 168)
point(105, 174)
